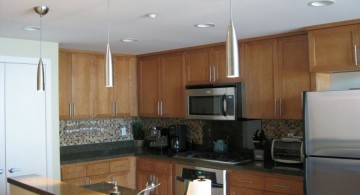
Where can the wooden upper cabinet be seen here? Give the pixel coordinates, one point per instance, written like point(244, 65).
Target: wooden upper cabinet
point(82, 88)
point(118, 100)
point(260, 59)
point(334, 49)
point(277, 74)
point(172, 85)
point(207, 65)
point(148, 86)
point(293, 76)
point(198, 67)
point(75, 85)
point(65, 101)
point(160, 85)
point(103, 105)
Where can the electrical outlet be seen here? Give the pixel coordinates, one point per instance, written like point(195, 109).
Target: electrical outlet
point(290, 134)
point(123, 131)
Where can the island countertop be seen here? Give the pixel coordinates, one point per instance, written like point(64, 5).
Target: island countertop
point(35, 184)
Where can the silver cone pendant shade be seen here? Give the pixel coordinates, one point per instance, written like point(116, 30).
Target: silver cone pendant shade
point(40, 76)
point(232, 51)
point(109, 76)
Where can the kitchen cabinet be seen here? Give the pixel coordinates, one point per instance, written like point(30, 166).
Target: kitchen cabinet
point(75, 85)
point(119, 100)
point(162, 171)
point(25, 127)
point(208, 65)
point(260, 58)
point(161, 85)
point(249, 183)
point(277, 74)
point(292, 76)
point(121, 170)
point(82, 88)
point(334, 49)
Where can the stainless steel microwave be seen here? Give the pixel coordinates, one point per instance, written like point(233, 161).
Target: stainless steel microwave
point(215, 101)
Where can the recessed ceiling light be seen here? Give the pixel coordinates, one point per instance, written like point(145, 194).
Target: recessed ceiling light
point(129, 40)
point(152, 15)
point(31, 28)
point(321, 3)
point(205, 25)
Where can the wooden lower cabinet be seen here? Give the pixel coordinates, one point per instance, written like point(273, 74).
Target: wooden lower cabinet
point(121, 170)
point(255, 183)
point(161, 171)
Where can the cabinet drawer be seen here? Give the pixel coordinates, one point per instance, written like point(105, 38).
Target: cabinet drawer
point(77, 181)
point(145, 165)
point(163, 168)
point(245, 180)
point(72, 172)
point(97, 169)
point(99, 178)
point(283, 185)
point(120, 165)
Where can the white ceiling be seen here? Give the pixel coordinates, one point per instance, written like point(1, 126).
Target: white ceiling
point(82, 24)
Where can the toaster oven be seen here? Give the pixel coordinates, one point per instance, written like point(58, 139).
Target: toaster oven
point(287, 150)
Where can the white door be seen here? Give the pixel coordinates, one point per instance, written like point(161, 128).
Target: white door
point(25, 116)
point(2, 132)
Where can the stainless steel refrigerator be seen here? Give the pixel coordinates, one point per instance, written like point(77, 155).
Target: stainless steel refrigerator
point(332, 142)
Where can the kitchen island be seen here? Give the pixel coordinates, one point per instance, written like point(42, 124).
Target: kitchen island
point(35, 184)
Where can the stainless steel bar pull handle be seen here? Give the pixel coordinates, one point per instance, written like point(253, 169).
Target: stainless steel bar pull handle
point(214, 73)
point(1, 171)
point(161, 108)
point(356, 55)
point(13, 170)
point(281, 186)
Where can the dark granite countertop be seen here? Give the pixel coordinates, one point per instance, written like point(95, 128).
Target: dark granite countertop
point(90, 152)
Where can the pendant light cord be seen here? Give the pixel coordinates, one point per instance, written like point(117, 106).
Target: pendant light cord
point(40, 35)
point(108, 21)
point(230, 10)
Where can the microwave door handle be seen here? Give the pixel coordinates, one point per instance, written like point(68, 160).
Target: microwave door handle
point(224, 105)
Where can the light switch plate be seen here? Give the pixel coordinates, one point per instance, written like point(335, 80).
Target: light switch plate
point(123, 131)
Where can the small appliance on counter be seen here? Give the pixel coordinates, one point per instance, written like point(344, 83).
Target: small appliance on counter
point(261, 146)
point(158, 139)
point(177, 138)
point(288, 150)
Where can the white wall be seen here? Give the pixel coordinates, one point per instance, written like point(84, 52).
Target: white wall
point(344, 80)
point(50, 50)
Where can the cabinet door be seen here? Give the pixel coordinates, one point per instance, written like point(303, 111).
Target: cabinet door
point(198, 66)
point(219, 61)
point(125, 99)
point(103, 101)
point(64, 85)
point(332, 49)
point(148, 86)
point(244, 191)
point(82, 85)
point(26, 140)
point(165, 186)
point(172, 86)
point(142, 177)
point(293, 74)
point(260, 58)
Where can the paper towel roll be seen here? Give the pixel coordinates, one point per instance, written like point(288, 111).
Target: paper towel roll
point(199, 187)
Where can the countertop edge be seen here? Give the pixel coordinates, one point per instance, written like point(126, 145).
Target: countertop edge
point(33, 189)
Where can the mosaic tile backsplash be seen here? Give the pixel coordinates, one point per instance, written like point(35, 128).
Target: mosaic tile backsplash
point(79, 132)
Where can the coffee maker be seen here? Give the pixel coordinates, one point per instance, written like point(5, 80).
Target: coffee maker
point(177, 138)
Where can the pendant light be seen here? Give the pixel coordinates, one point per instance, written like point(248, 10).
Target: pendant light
point(41, 10)
point(232, 52)
point(109, 76)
